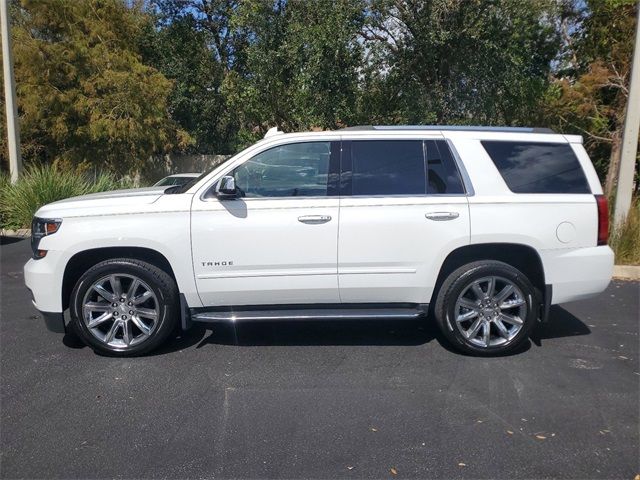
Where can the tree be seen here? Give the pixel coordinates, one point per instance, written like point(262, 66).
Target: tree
point(84, 95)
point(589, 96)
point(447, 61)
point(302, 64)
point(195, 45)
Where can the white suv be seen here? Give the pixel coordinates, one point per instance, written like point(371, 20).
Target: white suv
point(484, 228)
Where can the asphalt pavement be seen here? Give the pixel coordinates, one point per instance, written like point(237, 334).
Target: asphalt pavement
point(375, 399)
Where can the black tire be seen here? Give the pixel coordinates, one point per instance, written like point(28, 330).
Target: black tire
point(166, 303)
point(458, 282)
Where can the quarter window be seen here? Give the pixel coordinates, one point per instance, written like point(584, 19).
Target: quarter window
point(530, 167)
point(442, 174)
point(293, 170)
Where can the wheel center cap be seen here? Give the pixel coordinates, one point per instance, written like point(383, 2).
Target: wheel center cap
point(488, 312)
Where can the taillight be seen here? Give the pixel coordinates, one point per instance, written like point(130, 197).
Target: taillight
point(603, 219)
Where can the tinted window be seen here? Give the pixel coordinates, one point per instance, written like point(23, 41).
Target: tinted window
point(381, 167)
point(529, 167)
point(294, 170)
point(442, 173)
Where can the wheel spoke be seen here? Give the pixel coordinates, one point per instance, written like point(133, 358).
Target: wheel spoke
point(510, 319)
point(127, 335)
point(111, 334)
point(104, 293)
point(147, 313)
point(516, 302)
point(141, 325)
point(491, 286)
point(116, 286)
point(486, 334)
point(503, 294)
point(466, 303)
point(477, 290)
point(98, 306)
point(94, 322)
point(466, 316)
point(502, 330)
point(132, 288)
point(142, 298)
point(473, 330)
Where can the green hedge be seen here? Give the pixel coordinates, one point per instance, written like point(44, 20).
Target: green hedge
point(625, 240)
point(40, 185)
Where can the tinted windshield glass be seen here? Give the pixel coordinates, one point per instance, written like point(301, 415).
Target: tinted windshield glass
point(388, 167)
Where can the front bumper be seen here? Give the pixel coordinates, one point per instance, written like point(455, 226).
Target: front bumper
point(43, 278)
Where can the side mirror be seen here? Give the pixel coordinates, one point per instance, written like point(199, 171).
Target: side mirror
point(227, 187)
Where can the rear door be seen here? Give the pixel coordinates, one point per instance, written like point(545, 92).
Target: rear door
point(403, 208)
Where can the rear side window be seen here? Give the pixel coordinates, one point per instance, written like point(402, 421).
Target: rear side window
point(388, 167)
point(531, 167)
point(402, 167)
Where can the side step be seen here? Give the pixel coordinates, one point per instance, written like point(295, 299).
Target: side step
point(309, 314)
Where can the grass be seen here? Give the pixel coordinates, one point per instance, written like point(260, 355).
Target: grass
point(625, 240)
point(40, 185)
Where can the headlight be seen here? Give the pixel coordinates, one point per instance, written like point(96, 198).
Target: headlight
point(41, 227)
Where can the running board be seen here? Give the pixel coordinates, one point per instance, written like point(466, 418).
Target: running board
point(308, 314)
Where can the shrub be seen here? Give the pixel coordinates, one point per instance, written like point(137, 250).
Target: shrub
point(625, 240)
point(40, 185)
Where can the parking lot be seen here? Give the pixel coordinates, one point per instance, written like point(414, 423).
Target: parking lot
point(322, 400)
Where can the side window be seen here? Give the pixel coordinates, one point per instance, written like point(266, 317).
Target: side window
point(387, 167)
point(442, 173)
point(531, 167)
point(293, 170)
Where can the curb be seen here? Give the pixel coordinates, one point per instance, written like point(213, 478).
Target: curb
point(626, 272)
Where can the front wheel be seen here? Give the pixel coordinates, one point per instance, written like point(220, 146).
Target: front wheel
point(124, 307)
point(486, 308)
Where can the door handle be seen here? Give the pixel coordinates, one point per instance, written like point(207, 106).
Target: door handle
point(314, 219)
point(442, 216)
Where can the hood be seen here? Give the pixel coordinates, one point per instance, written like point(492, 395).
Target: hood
point(102, 202)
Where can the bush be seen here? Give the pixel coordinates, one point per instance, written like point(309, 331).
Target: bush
point(40, 185)
point(625, 240)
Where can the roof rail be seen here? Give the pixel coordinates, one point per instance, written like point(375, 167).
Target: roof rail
point(461, 128)
point(272, 132)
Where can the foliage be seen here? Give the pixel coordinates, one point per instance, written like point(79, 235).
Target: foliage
point(40, 185)
point(84, 94)
point(181, 49)
point(443, 61)
point(115, 82)
point(625, 240)
point(302, 63)
point(589, 95)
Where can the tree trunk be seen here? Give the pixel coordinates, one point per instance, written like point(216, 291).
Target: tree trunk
point(614, 164)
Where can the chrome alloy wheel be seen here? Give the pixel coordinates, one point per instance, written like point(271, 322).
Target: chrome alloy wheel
point(120, 310)
point(490, 312)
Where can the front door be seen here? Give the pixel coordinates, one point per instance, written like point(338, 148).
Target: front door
point(277, 242)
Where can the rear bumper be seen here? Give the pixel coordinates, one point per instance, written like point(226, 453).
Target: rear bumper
point(577, 274)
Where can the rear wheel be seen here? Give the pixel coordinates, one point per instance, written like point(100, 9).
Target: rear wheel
point(486, 308)
point(124, 307)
